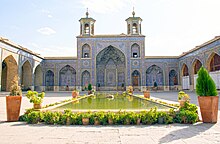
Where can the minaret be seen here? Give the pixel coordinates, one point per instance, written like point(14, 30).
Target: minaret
point(87, 25)
point(134, 25)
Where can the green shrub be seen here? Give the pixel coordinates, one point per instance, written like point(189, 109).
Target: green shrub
point(35, 97)
point(34, 117)
point(150, 117)
point(205, 86)
point(52, 117)
point(90, 87)
point(187, 114)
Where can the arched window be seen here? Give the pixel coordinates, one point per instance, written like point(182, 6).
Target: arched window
point(136, 78)
point(173, 80)
point(67, 76)
point(85, 51)
point(215, 63)
point(185, 70)
point(197, 66)
point(49, 80)
point(135, 51)
point(134, 28)
point(85, 79)
point(86, 28)
point(154, 75)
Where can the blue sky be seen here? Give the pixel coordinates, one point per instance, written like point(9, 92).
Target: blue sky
point(50, 27)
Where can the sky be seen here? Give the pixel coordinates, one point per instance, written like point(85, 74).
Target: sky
point(50, 27)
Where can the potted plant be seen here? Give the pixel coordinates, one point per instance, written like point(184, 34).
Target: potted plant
point(13, 101)
point(75, 94)
point(89, 89)
point(207, 96)
point(130, 90)
point(111, 117)
point(183, 98)
point(35, 98)
point(147, 94)
point(85, 118)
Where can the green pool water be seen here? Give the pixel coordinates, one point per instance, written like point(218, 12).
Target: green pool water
point(100, 102)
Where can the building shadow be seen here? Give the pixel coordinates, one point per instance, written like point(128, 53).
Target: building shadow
point(185, 133)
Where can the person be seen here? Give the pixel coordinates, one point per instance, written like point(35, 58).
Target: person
point(67, 88)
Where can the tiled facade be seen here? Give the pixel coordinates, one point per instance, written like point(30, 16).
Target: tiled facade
point(108, 62)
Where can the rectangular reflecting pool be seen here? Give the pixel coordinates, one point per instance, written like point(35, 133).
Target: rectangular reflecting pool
point(111, 102)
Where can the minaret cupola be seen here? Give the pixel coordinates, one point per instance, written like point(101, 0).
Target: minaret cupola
point(133, 25)
point(87, 25)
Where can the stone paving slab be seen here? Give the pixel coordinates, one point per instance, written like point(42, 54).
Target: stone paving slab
point(22, 133)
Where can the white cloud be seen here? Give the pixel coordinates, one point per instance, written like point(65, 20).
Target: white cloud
point(106, 6)
point(47, 12)
point(46, 31)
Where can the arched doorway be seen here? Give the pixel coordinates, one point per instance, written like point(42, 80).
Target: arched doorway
point(214, 68)
point(196, 66)
point(154, 77)
point(26, 76)
point(38, 78)
point(49, 80)
point(85, 80)
point(136, 79)
point(9, 72)
point(173, 80)
point(67, 78)
point(110, 69)
point(185, 77)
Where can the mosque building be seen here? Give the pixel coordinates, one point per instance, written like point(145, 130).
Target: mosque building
point(109, 62)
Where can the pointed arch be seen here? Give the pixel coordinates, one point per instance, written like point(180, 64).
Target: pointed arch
point(110, 68)
point(134, 28)
point(9, 72)
point(86, 28)
point(214, 68)
point(38, 78)
point(67, 77)
point(173, 78)
point(135, 51)
point(136, 78)
point(154, 74)
point(185, 77)
point(26, 76)
point(196, 66)
point(185, 70)
point(86, 51)
point(49, 78)
point(214, 62)
point(85, 79)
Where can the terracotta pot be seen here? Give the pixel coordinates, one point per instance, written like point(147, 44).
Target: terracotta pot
point(13, 105)
point(147, 94)
point(68, 121)
point(160, 120)
point(85, 121)
point(96, 122)
point(75, 94)
point(138, 121)
point(127, 121)
point(37, 106)
point(182, 103)
point(209, 108)
point(110, 121)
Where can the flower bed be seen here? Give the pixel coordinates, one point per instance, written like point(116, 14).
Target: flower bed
point(186, 114)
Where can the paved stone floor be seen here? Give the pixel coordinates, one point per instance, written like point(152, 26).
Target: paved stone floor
point(22, 133)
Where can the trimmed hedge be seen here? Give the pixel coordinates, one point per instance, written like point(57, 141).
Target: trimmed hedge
point(186, 114)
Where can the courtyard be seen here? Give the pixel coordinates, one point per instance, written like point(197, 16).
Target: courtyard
point(20, 132)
